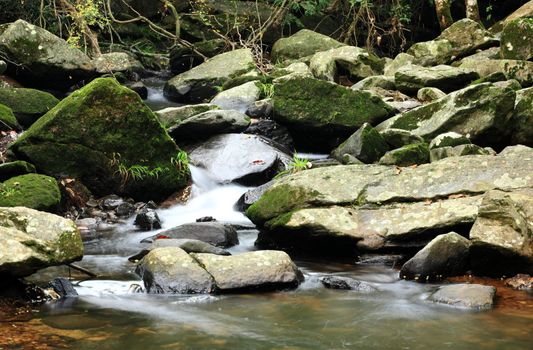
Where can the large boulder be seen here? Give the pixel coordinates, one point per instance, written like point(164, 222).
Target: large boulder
point(246, 159)
point(258, 270)
point(207, 124)
point(214, 233)
point(522, 71)
point(200, 83)
point(355, 62)
point(107, 138)
point(28, 105)
point(502, 236)
point(302, 44)
point(33, 191)
point(523, 118)
point(446, 255)
point(366, 144)
point(183, 58)
point(171, 270)
point(31, 240)
point(378, 206)
point(446, 78)
point(482, 111)
point(7, 119)
point(516, 43)
point(321, 114)
point(465, 296)
point(41, 58)
point(239, 98)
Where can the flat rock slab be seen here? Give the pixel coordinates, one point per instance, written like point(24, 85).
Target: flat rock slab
point(412, 78)
point(467, 296)
point(254, 270)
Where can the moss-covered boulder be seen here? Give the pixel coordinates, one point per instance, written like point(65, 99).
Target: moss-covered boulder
point(16, 168)
point(417, 153)
point(28, 105)
point(321, 114)
point(302, 44)
point(33, 240)
point(366, 144)
point(42, 59)
point(522, 71)
point(446, 78)
point(516, 42)
point(437, 154)
point(201, 82)
point(355, 62)
point(33, 191)
point(7, 119)
point(397, 138)
point(105, 136)
point(523, 117)
point(431, 53)
point(482, 112)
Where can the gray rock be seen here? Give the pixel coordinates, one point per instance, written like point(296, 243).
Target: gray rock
point(261, 109)
point(147, 220)
point(522, 71)
point(456, 151)
point(449, 139)
point(401, 60)
point(397, 138)
point(214, 233)
point(446, 78)
point(446, 255)
point(252, 196)
point(467, 296)
point(209, 123)
point(302, 44)
point(366, 144)
point(272, 131)
point(115, 62)
point(240, 98)
point(347, 283)
point(375, 81)
point(31, 240)
point(198, 84)
point(173, 116)
point(188, 245)
point(246, 159)
point(257, 270)
point(502, 236)
point(429, 94)
point(171, 270)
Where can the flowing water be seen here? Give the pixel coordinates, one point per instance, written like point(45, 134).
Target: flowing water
point(106, 315)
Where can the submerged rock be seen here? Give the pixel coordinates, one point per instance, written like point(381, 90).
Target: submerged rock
point(502, 236)
point(446, 255)
point(302, 44)
point(33, 191)
point(28, 105)
point(467, 296)
point(43, 58)
point(259, 270)
point(347, 283)
point(246, 159)
point(109, 140)
point(215, 233)
point(33, 240)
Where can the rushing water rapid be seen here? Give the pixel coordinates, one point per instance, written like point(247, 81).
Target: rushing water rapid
point(106, 315)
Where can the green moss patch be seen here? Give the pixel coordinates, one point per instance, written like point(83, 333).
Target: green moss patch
point(33, 191)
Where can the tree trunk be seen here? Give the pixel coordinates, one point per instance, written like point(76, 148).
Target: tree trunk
point(90, 37)
point(472, 10)
point(444, 15)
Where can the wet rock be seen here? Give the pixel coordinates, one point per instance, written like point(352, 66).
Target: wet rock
point(516, 40)
point(115, 62)
point(347, 283)
point(366, 144)
point(252, 196)
point(63, 287)
point(209, 123)
point(32, 240)
point(139, 88)
point(147, 220)
point(520, 282)
point(239, 98)
point(206, 219)
point(302, 44)
point(125, 210)
point(273, 131)
point(43, 59)
point(27, 105)
point(355, 62)
point(111, 202)
point(188, 245)
point(34, 191)
point(326, 120)
point(261, 109)
point(171, 270)
point(16, 168)
point(8, 121)
point(214, 233)
point(467, 296)
point(173, 116)
point(491, 107)
point(446, 78)
point(105, 144)
point(446, 255)
point(523, 118)
point(502, 240)
point(413, 154)
point(259, 270)
point(198, 84)
point(397, 138)
point(246, 159)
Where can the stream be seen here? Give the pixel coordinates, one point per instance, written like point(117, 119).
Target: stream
point(106, 315)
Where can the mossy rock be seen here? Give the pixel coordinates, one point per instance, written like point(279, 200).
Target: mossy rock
point(27, 105)
point(414, 154)
point(16, 168)
point(437, 154)
point(7, 119)
point(517, 40)
point(466, 36)
point(3, 66)
point(366, 144)
point(106, 137)
point(520, 70)
point(302, 44)
point(449, 139)
point(324, 113)
point(429, 94)
point(446, 78)
point(33, 191)
point(523, 118)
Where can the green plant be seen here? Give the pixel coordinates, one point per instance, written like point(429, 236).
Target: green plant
point(296, 165)
point(8, 191)
point(134, 172)
point(266, 89)
point(181, 162)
